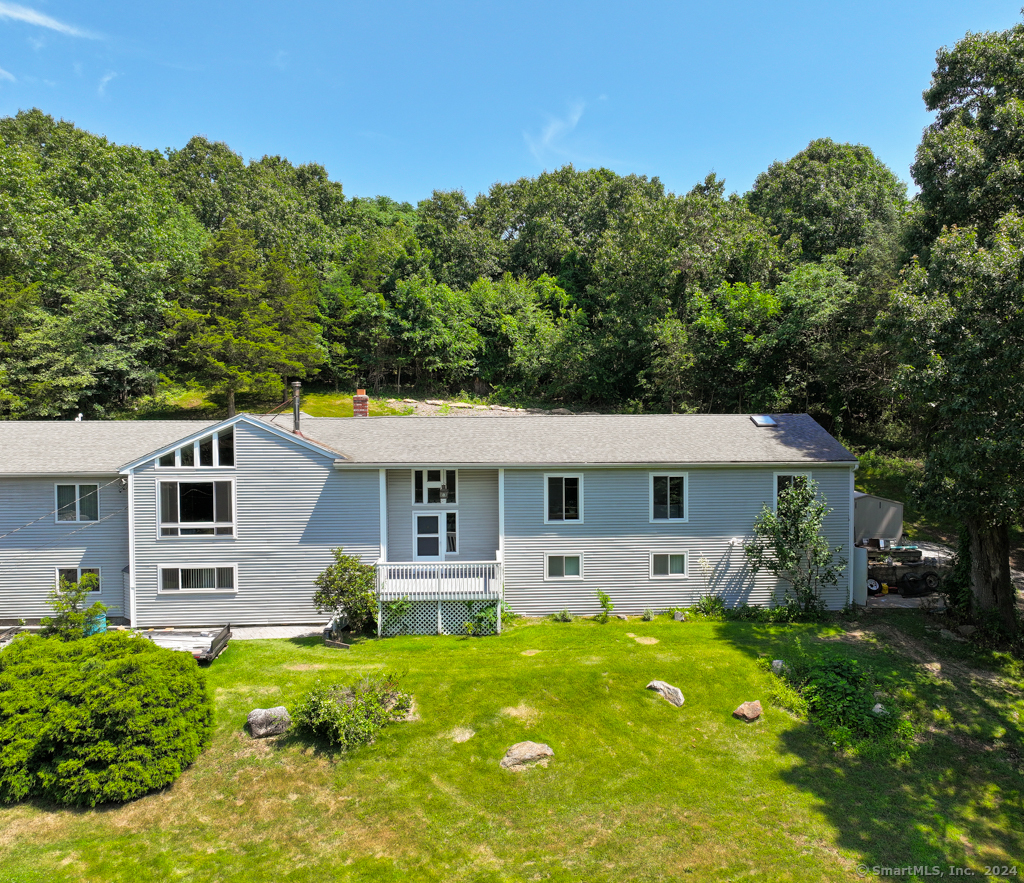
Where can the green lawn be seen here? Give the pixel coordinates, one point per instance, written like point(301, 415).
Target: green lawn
point(637, 789)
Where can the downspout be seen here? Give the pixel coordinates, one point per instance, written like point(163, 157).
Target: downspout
point(501, 540)
point(132, 584)
point(849, 565)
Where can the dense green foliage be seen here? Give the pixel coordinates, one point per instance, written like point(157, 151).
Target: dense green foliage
point(71, 619)
point(101, 720)
point(343, 717)
point(349, 588)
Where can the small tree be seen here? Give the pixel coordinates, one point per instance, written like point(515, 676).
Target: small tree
point(348, 586)
point(788, 544)
point(71, 620)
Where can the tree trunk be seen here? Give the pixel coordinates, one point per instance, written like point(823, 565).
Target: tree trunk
point(231, 403)
point(990, 571)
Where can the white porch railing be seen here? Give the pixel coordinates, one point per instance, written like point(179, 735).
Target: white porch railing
point(440, 580)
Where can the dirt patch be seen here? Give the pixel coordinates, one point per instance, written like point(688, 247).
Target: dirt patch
point(521, 712)
point(646, 640)
point(307, 666)
point(529, 653)
point(461, 734)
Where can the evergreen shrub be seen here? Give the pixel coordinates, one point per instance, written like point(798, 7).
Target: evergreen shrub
point(104, 719)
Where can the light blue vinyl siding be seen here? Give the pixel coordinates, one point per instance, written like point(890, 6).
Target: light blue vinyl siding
point(292, 507)
point(616, 539)
point(477, 505)
point(29, 556)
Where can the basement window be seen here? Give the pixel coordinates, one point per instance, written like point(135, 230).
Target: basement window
point(207, 578)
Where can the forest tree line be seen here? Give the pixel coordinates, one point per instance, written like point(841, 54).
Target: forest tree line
point(824, 289)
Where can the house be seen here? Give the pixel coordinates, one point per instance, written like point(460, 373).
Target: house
point(204, 523)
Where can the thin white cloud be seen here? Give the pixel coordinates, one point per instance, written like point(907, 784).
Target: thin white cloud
point(106, 78)
point(14, 12)
point(551, 140)
point(6, 75)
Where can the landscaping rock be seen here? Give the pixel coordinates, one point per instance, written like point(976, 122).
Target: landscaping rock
point(949, 636)
point(749, 711)
point(462, 405)
point(967, 630)
point(265, 722)
point(879, 709)
point(435, 401)
point(668, 692)
point(524, 755)
point(411, 401)
point(621, 616)
point(778, 667)
point(561, 411)
point(679, 616)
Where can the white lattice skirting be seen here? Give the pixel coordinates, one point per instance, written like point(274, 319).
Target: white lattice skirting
point(433, 618)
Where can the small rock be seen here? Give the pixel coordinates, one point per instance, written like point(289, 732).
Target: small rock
point(679, 616)
point(461, 405)
point(392, 401)
point(411, 401)
point(524, 755)
point(265, 722)
point(967, 630)
point(621, 616)
point(879, 709)
point(878, 694)
point(778, 667)
point(435, 401)
point(949, 636)
point(668, 692)
point(498, 408)
point(481, 408)
point(561, 411)
point(749, 711)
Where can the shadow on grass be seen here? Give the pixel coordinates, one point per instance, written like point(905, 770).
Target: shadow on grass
point(956, 801)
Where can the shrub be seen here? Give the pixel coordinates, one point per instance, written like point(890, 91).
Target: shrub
point(100, 720)
point(563, 615)
point(71, 621)
point(604, 599)
point(343, 717)
point(648, 615)
point(484, 621)
point(348, 586)
point(710, 607)
point(396, 615)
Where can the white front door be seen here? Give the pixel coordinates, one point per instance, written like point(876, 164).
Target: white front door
point(427, 539)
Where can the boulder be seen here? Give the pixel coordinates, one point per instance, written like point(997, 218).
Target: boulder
point(668, 692)
point(778, 667)
point(949, 636)
point(265, 722)
point(679, 616)
point(435, 401)
point(879, 710)
point(621, 616)
point(748, 711)
point(524, 755)
point(561, 411)
point(967, 630)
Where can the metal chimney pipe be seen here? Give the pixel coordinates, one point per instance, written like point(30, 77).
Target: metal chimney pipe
point(296, 403)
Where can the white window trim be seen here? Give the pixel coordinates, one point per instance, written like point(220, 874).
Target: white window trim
point(79, 568)
point(578, 475)
point(686, 564)
point(686, 497)
point(160, 590)
point(444, 532)
point(425, 504)
point(442, 539)
point(775, 484)
point(191, 479)
point(78, 496)
point(195, 454)
point(559, 579)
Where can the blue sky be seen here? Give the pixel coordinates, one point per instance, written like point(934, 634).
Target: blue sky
point(399, 98)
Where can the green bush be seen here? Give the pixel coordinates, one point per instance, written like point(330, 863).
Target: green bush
point(100, 720)
point(604, 599)
point(70, 620)
point(710, 607)
point(348, 586)
point(346, 716)
point(563, 615)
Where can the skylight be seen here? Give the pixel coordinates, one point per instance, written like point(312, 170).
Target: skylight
point(763, 420)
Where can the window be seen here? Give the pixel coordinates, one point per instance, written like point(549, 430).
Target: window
point(668, 496)
point(563, 567)
point(434, 486)
point(196, 508)
point(669, 565)
point(216, 449)
point(563, 498)
point(75, 574)
point(211, 578)
point(78, 502)
point(784, 480)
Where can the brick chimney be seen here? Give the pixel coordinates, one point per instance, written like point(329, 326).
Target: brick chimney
point(360, 404)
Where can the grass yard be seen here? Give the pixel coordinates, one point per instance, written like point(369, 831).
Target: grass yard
point(637, 789)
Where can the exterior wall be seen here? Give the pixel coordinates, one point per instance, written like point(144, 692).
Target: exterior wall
point(477, 507)
point(29, 557)
point(616, 538)
point(292, 507)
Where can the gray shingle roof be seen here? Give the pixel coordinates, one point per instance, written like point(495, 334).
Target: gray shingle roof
point(90, 447)
point(597, 439)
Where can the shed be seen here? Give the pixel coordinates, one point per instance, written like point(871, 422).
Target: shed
point(876, 518)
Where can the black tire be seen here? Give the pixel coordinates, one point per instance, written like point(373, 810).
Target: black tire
point(931, 580)
point(874, 587)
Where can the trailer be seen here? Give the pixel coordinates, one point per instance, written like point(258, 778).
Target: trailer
point(204, 645)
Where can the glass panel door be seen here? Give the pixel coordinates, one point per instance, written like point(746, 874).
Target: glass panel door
point(427, 541)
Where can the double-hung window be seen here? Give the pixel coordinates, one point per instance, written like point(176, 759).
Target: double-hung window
point(77, 502)
point(784, 480)
point(668, 497)
point(75, 574)
point(430, 486)
point(563, 498)
point(197, 508)
point(216, 449)
point(212, 578)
